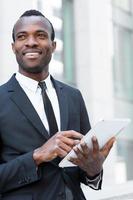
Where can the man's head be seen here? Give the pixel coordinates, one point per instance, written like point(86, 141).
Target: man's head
point(33, 42)
point(29, 13)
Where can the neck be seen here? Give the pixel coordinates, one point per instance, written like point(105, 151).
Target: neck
point(38, 77)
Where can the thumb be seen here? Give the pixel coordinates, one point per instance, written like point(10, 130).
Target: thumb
point(107, 147)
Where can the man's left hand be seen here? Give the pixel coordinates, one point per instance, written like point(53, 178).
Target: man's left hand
point(91, 160)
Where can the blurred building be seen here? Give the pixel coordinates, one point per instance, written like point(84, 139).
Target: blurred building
point(94, 53)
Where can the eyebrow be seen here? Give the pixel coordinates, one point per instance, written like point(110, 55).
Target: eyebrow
point(35, 31)
point(20, 32)
point(43, 31)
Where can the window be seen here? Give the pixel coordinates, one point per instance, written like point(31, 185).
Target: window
point(53, 11)
point(123, 4)
point(123, 84)
point(123, 68)
point(60, 13)
point(68, 37)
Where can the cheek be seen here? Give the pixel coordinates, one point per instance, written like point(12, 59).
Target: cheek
point(47, 45)
point(17, 47)
point(17, 53)
point(48, 50)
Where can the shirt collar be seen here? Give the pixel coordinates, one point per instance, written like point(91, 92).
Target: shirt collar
point(32, 84)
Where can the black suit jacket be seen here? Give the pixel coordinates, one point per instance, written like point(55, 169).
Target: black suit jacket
point(21, 131)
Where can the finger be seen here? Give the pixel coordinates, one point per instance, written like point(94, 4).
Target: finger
point(78, 152)
point(61, 152)
point(107, 147)
point(73, 160)
point(78, 157)
point(64, 147)
point(60, 136)
point(61, 148)
point(72, 134)
point(85, 149)
point(110, 143)
point(69, 141)
point(95, 145)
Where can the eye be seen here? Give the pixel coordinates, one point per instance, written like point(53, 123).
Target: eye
point(21, 37)
point(42, 36)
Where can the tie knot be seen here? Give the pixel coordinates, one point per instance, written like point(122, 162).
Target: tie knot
point(42, 85)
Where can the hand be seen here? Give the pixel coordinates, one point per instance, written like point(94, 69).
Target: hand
point(91, 160)
point(58, 145)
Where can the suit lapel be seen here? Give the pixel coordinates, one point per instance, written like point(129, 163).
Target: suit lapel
point(63, 103)
point(19, 97)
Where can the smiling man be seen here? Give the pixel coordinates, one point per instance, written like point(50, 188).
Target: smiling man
point(41, 120)
point(33, 45)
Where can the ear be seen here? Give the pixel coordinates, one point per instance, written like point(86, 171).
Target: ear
point(53, 46)
point(13, 48)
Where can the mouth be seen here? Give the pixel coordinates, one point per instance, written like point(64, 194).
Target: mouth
point(32, 54)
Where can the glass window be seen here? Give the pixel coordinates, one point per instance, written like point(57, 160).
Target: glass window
point(123, 87)
point(123, 4)
point(60, 13)
point(123, 69)
point(68, 38)
point(53, 11)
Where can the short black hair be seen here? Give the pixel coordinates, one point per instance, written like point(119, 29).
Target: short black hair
point(29, 13)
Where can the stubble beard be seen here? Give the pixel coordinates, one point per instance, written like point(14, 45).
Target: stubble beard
point(42, 67)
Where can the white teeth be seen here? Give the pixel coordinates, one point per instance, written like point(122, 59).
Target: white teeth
point(32, 55)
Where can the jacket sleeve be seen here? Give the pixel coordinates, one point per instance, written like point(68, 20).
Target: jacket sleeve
point(18, 172)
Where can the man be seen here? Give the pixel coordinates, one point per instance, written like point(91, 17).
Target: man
point(33, 137)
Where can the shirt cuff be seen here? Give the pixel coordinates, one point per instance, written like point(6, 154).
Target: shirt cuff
point(95, 183)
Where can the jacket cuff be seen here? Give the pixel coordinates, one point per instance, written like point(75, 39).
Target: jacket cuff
point(95, 182)
point(23, 171)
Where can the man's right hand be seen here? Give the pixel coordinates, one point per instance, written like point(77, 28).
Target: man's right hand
point(58, 145)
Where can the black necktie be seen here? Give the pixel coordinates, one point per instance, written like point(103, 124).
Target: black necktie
point(53, 128)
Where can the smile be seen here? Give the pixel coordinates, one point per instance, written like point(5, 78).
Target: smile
point(32, 55)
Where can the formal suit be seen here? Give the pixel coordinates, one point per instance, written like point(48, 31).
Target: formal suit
point(21, 131)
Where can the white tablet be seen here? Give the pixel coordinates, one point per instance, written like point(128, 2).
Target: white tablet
point(103, 130)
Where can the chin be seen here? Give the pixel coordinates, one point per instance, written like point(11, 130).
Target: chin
point(33, 69)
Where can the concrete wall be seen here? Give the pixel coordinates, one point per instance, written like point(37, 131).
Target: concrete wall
point(93, 45)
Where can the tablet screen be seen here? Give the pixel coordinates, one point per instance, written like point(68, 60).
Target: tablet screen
point(103, 130)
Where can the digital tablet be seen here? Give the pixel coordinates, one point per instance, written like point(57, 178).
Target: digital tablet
point(103, 130)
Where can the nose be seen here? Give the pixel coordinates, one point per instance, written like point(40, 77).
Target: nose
point(31, 42)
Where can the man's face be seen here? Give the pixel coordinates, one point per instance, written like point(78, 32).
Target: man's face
point(33, 46)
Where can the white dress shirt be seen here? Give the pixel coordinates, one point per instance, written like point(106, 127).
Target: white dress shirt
point(33, 92)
